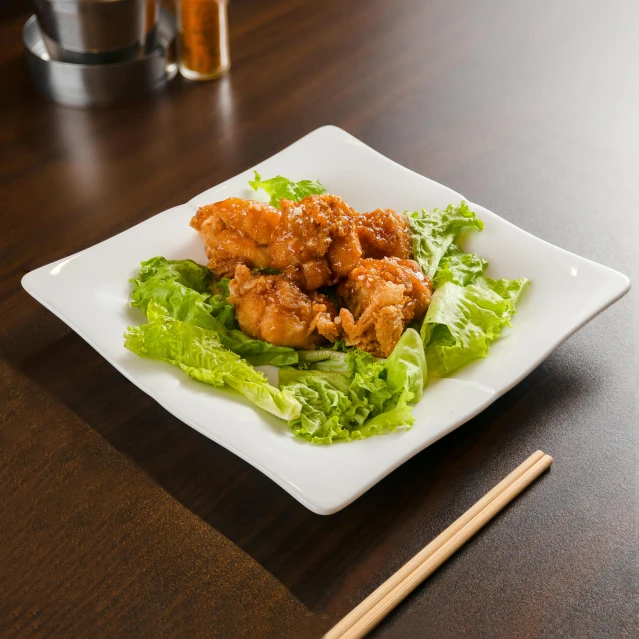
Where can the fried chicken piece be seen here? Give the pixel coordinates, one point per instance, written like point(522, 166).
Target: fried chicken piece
point(236, 231)
point(344, 253)
point(384, 233)
point(381, 297)
point(316, 241)
point(274, 309)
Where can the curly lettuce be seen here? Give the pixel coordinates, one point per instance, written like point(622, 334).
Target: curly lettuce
point(279, 188)
point(367, 398)
point(187, 292)
point(433, 233)
point(185, 289)
point(459, 267)
point(468, 310)
point(201, 355)
point(463, 321)
point(406, 366)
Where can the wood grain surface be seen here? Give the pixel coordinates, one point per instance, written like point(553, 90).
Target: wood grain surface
point(117, 520)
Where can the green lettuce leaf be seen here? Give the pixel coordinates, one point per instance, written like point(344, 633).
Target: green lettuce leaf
point(340, 380)
point(462, 321)
point(256, 351)
point(323, 359)
point(434, 232)
point(279, 188)
point(186, 290)
point(200, 354)
point(361, 398)
point(327, 358)
point(458, 267)
point(406, 367)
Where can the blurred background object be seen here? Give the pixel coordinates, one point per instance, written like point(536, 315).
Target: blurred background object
point(98, 52)
point(97, 31)
point(203, 41)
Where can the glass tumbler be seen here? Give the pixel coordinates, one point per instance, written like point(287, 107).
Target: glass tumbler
point(203, 39)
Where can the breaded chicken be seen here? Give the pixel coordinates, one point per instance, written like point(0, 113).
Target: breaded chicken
point(380, 298)
point(236, 231)
point(271, 308)
point(316, 241)
point(384, 233)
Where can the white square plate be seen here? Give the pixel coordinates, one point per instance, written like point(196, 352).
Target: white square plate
point(90, 291)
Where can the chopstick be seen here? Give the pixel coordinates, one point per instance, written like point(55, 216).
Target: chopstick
point(376, 606)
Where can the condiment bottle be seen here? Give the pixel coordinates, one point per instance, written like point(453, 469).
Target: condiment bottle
point(203, 42)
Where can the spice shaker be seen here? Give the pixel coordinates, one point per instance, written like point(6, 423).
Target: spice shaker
point(203, 43)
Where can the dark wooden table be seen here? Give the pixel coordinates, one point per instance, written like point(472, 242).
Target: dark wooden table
point(117, 520)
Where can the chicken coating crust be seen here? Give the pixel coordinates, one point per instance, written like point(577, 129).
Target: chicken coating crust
point(276, 310)
point(384, 233)
point(381, 296)
point(316, 241)
point(236, 231)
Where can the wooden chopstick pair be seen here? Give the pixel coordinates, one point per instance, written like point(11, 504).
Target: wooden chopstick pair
point(376, 606)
